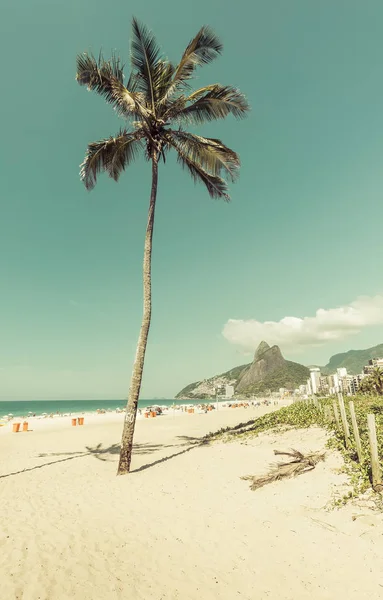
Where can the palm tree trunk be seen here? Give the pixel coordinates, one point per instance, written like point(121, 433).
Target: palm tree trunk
point(135, 383)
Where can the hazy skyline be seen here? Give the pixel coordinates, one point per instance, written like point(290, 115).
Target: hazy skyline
point(302, 232)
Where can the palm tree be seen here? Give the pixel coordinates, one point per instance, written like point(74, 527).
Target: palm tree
point(373, 384)
point(158, 102)
point(366, 386)
point(377, 380)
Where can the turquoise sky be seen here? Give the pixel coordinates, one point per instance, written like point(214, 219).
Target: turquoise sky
point(303, 231)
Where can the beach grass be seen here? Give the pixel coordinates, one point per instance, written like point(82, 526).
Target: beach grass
point(302, 415)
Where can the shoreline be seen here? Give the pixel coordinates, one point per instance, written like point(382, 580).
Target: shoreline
point(64, 405)
point(59, 421)
point(117, 415)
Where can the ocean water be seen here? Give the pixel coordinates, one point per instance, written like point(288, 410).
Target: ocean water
point(38, 407)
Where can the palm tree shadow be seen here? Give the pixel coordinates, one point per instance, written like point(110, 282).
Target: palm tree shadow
point(189, 439)
point(107, 454)
point(166, 458)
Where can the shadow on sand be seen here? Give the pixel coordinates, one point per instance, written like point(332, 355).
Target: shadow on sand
point(107, 454)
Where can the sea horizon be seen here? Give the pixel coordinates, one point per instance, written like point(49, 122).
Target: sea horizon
point(21, 408)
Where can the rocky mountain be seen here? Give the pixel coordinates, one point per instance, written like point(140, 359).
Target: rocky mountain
point(268, 371)
point(266, 361)
point(353, 360)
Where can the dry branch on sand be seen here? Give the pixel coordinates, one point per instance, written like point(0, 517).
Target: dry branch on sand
point(300, 464)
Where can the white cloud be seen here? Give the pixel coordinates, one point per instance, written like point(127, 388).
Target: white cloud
point(294, 332)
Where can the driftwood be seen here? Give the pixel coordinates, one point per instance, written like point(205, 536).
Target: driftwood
point(300, 464)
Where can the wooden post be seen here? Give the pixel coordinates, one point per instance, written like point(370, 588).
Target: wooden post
point(375, 464)
point(346, 429)
point(316, 402)
point(341, 403)
point(356, 431)
point(336, 414)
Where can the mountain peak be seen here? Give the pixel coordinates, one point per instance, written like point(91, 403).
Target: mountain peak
point(262, 348)
point(268, 371)
point(266, 361)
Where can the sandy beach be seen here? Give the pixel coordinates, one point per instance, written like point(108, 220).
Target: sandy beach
point(182, 525)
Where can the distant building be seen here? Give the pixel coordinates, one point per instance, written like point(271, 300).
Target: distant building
point(219, 390)
point(372, 364)
point(333, 383)
point(323, 384)
point(343, 385)
point(341, 372)
point(350, 384)
point(356, 379)
point(229, 391)
point(315, 379)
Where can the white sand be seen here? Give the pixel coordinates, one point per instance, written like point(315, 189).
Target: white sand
point(186, 528)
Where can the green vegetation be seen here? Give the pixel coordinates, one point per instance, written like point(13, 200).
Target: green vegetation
point(302, 415)
point(290, 376)
point(361, 473)
point(373, 384)
point(299, 415)
point(353, 360)
point(187, 390)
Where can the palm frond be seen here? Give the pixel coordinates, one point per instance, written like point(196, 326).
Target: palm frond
point(201, 50)
point(211, 154)
point(217, 103)
point(177, 104)
point(132, 83)
point(162, 78)
point(287, 470)
point(145, 54)
point(196, 95)
point(107, 79)
point(215, 185)
point(111, 155)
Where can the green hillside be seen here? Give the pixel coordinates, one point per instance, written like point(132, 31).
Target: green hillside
point(290, 376)
point(353, 360)
point(270, 371)
point(187, 390)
